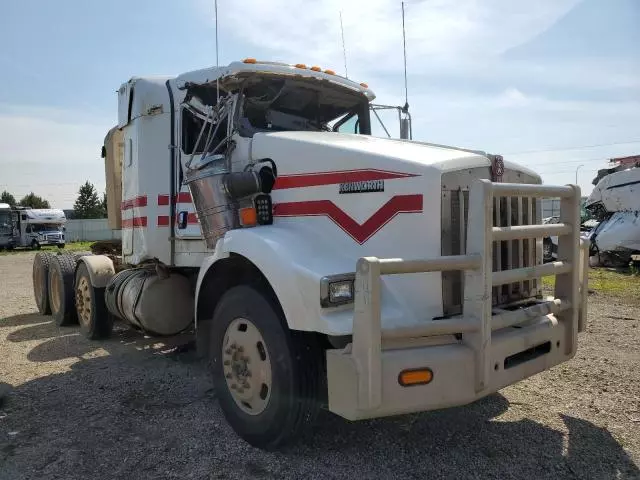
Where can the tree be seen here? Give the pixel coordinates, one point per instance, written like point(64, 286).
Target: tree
point(6, 197)
point(88, 204)
point(104, 204)
point(34, 201)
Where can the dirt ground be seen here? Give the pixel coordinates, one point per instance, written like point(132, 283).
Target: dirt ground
point(133, 407)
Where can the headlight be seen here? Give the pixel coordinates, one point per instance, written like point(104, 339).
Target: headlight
point(337, 290)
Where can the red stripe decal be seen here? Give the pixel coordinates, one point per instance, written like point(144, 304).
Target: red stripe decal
point(163, 220)
point(182, 197)
point(332, 178)
point(360, 233)
point(140, 201)
point(134, 222)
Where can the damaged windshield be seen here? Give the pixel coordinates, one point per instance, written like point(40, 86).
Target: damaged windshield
point(277, 104)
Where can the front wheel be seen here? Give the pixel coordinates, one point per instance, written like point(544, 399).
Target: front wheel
point(267, 377)
point(35, 245)
point(61, 245)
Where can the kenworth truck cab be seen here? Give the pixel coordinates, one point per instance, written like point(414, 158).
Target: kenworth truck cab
point(322, 267)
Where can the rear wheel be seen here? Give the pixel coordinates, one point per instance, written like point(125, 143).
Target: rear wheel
point(266, 377)
point(93, 316)
point(61, 276)
point(40, 275)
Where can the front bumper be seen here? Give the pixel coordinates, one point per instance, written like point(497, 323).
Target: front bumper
point(484, 349)
point(516, 353)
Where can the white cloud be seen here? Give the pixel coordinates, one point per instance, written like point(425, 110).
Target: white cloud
point(309, 31)
point(50, 152)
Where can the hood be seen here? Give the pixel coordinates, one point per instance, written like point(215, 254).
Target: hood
point(341, 197)
point(415, 155)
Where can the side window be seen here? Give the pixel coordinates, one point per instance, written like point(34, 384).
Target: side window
point(191, 126)
point(24, 217)
point(130, 152)
point(350, 126)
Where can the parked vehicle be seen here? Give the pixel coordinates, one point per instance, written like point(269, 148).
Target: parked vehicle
point(6, 226)
point(34, 228)
point(322, 268)
point(615, 202)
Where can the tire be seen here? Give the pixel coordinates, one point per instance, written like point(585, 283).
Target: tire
point(94, 319)
point(40, 276)
point(61, 292)
point(547, 250)
point(293, 360)
point(35, 245)
point(61, 245)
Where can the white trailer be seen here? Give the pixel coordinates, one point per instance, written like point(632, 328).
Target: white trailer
point(322, 268)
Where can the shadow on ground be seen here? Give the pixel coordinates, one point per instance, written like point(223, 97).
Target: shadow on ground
point(147, 411)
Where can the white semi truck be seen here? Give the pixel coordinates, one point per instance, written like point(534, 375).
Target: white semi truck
point(322, 267)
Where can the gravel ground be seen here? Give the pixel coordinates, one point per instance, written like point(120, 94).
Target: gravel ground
point(134, 407)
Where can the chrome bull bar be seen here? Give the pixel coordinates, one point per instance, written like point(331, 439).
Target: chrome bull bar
point(568, 304)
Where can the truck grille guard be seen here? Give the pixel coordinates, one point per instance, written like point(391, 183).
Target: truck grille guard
point(478, 320)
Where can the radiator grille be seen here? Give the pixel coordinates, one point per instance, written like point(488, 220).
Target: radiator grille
point(507, 255)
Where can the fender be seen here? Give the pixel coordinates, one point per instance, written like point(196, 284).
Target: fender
point(293, 263)
point(100, 269)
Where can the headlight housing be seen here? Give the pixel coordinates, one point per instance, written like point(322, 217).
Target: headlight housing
point(337, 289)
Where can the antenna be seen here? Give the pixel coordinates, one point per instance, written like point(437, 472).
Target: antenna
point(344, 49)
point(215, 6)
point(404, 44)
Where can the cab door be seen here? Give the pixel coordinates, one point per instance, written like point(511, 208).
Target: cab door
point(189, 129)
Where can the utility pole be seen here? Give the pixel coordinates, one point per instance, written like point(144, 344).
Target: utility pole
point(577, 172)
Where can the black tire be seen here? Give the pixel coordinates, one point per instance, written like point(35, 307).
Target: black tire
point(98, 323)
point(295, 360)
point(78, 255)
point(40, 277)
point(547, 250)
point(61, 291)
point(35, 245)
point(61, 245)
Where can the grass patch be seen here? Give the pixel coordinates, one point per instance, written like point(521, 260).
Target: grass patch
point(72, 247)
point(607, 281)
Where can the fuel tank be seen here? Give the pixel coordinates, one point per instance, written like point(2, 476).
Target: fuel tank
point(158, 305)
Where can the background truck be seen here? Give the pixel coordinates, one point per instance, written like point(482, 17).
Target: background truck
point(322, 267)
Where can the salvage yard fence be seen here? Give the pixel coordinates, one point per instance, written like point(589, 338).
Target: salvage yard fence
point(89, 230)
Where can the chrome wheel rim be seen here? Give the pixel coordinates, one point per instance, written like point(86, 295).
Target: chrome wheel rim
point(83, 301)
point(246, 366)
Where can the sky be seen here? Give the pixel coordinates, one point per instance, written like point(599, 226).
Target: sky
point(552, 84)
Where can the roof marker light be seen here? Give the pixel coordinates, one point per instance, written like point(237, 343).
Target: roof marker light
point(249, 60)
point(300, 65)
point(315, 68)
point(329, 72)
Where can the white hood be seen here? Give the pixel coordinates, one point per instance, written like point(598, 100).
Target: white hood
point(440, 158)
